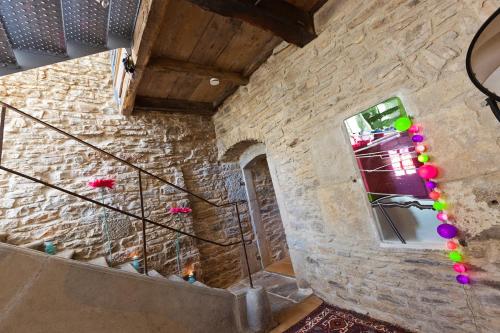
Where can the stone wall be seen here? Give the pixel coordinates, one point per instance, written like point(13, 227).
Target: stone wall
point(295, 103)
point(77, 97)
point(269, 210)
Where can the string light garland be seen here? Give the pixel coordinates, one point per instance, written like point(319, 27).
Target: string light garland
point(429, 172)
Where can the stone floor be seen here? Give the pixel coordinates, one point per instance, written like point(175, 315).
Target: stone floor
point(283, 267)
point(289, 316)
point(280, 284)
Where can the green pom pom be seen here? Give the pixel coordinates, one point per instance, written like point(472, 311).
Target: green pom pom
point(455, 256)
point(402, 124)
point(423, 158)
point(439, 205)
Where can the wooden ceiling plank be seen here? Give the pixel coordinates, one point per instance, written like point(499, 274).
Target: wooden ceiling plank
point(280, 17)
point(173, 106)
point(157, 84)
point(214, 41)
point(204, 92)
point(245, 48)
point(148, 23)
point(182, 29)
point(201, 71)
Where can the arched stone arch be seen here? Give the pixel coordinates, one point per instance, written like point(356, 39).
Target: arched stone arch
point(252, 156)
point(233, 153)
point(251, 153)
point(235, 143)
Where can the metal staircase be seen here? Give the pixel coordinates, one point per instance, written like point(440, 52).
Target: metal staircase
point(35, 33)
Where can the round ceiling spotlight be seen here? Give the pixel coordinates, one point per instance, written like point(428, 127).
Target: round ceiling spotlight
point(214, 81)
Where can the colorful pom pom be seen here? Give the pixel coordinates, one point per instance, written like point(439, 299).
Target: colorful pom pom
point(455, 256)
point(434, 195)
point(423, 158)
point(427, 171)
point(451, 245)
point(417, 138)
point(414, 129)
point(447, 231)
point(460, 268)
point(440, 205)
point(402, 124)
point(420, 148)
point(431, 185)
point(463, 279)
point(443, 217)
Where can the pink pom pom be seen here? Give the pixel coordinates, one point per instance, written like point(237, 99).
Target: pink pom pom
point(427, 171)
point(414, 129)
point(442, 217)
point(460, 268)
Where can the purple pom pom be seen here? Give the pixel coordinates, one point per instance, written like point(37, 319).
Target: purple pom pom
point(417, 138)
point(447, 231)
point(431, 185)
point(463, 279)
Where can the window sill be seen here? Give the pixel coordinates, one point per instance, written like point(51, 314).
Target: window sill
point(413, 246)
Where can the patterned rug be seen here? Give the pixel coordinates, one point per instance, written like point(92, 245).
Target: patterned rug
point(330, 319)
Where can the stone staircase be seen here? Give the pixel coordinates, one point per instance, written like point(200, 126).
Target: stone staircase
point(39, 245)
point(47, 293)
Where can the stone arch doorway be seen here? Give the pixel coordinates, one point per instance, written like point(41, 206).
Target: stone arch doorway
point(271, 245)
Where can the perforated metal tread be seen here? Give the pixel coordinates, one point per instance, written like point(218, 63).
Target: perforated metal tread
point(122, 18)
point(6, 54)
point(35, 33)
point(85, 21)
point(34, 25)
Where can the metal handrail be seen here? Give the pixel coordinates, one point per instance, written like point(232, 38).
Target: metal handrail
point(140, 171)
point(10, 107)
point(17, 173)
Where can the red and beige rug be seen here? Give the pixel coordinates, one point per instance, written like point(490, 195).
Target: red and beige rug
point(330, 319)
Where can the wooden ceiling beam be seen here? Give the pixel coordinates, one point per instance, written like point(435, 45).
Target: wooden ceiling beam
point(163, 64)
point(278, 16)
point(147, 28)
point(143, 103)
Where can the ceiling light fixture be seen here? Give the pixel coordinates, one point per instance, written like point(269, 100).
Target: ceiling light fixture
point(214, 81)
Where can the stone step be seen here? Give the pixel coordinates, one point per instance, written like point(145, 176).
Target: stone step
point(174, 277)
point(67, 254)
point(154, 273)
point(100, 261)
point(127, 267)
point(177, 278)
point(36, 245)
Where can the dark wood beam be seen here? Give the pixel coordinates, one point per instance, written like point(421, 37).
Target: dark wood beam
point(278, 16)
point(147, 28)
point(143, 103)
point(163, 64)
point(318, 6)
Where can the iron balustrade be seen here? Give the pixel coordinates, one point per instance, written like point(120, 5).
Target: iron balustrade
point(140, 172)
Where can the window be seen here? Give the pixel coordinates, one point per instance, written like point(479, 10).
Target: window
point(388, 164)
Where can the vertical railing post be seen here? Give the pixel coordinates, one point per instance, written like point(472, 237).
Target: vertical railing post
point(2, 126)
point(244, 244)
point(144, 250)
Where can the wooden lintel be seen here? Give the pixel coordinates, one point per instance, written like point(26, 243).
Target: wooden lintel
point(163, 64)
point(278, 16)
point(143, 103)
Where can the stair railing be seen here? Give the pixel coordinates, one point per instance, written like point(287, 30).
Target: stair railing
point(140, 172)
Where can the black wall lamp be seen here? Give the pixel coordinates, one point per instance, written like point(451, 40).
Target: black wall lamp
point(483, 61)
